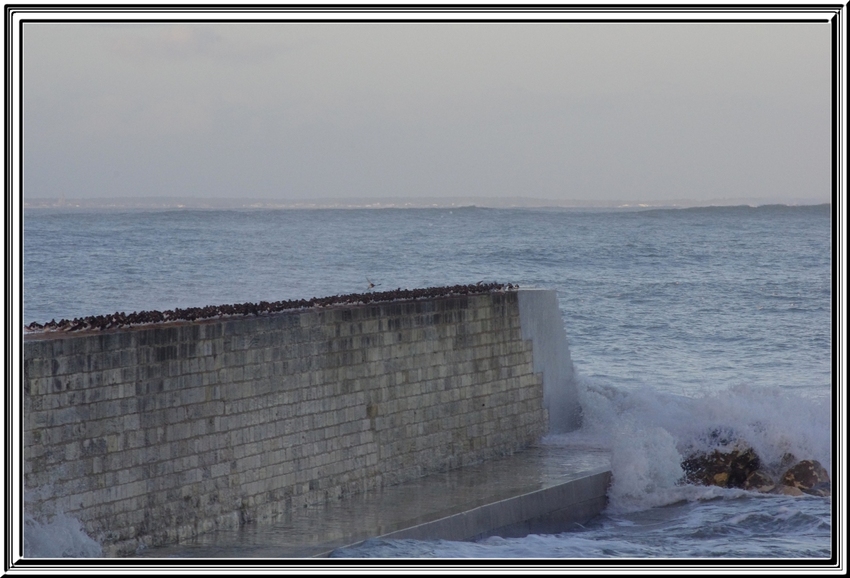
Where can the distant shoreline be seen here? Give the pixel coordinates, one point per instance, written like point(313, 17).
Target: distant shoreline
point(171, 203)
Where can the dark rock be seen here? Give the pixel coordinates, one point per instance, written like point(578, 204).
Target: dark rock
point(787, 491)
point(759, 481)
point(808, 476)
point(728, 469)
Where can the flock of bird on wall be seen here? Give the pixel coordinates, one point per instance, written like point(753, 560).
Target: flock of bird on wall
point(100, 322)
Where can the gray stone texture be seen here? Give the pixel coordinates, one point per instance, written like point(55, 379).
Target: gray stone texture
point(154, 434)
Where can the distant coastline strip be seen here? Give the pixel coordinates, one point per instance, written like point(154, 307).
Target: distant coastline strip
point(101, 322)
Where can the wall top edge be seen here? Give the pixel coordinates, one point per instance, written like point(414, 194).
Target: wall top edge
point(325, 304)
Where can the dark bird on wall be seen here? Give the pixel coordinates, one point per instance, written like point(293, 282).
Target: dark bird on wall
point(121, 319)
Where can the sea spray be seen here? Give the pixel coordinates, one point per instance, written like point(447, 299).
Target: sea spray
point(649, 433)
point(645, 467)
point(776, 423)
point(61, 537)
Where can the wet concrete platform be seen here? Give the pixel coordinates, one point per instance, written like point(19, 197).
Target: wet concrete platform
point(544, 489)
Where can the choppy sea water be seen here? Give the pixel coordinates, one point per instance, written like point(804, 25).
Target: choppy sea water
point(680, 322)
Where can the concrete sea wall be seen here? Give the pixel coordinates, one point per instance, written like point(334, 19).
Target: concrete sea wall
point(152, 434)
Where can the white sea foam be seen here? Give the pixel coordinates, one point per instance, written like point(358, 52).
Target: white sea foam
point(649, 433)
point(61, 537)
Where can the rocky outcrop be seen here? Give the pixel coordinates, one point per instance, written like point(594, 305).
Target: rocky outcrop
point(741, 467)
point(759, 481)
point(729, 469)
point(808, 476)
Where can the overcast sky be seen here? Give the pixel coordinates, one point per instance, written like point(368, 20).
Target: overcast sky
point(625, 111)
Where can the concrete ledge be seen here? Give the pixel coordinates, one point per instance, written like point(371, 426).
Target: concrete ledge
point(575, 502)
point(544, 489)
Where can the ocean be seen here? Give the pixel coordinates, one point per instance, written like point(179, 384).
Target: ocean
point(681, 322)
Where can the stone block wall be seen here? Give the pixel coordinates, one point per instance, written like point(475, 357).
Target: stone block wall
point(153, 434)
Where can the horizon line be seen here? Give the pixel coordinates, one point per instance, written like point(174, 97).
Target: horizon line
point(178, 202)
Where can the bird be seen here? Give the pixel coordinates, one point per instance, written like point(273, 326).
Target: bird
point(371, 285)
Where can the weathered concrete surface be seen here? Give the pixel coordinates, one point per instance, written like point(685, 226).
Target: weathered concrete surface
point(541, 322)
point(544, 489)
